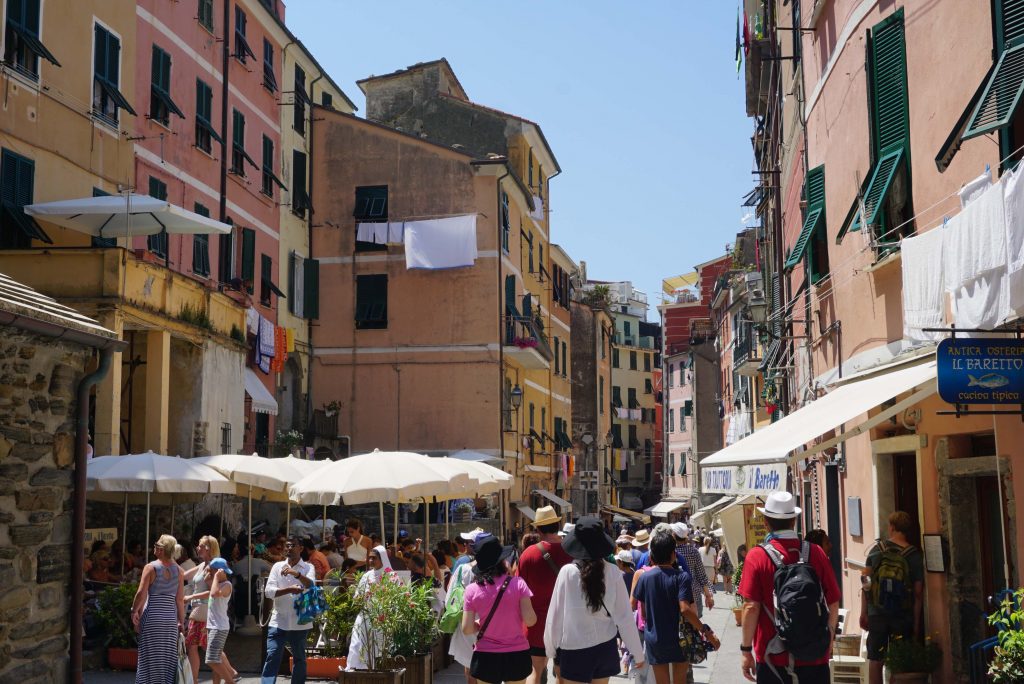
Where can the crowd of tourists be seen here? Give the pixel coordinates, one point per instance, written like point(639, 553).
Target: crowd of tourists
point(569, 595)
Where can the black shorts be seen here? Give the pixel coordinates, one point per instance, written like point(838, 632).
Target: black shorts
point(541, 652)
point(881, 629)
point(501, 667)
point(805, 674)
point(588, 664)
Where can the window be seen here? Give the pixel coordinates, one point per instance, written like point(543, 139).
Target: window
point(299, 99)
point(106, 96)
point(506, 221)
point(206, 21)
point(161, 106)
point(532, 412)
point(270, 179)
point(22, 47)
point(647, 466)
point(565, 359)
point(371, 302)
point(529, 241)
point(634, 443)
point(671, 420)
point(631, 398)
point(242, 49)
point(604, 343)
point(17, 178)
point(506, 403)
point(797, 35)
point(303, 286)
point(626, 329)
point(671, 374)
point(157, 244)
point(558, 365)
point(648, 386)
point(688, 407)
point(267, 286)
point(540, 262)
point(615, 357)
point(248, 269)
point(371, 206)
point(682, 421)
point(647, 362)
point(616, 436)
point(813, 239)
point(616, 396)
point(600, 396)
point(205, 132)
point(269, 79)
point(682, 371)
point(327, 100)
point(544, 421)
point(876, 206)
point(300, 193)
point(201, 247)
point(632, 360)
point(529, 168)
point(226, 256)
point(239, 157)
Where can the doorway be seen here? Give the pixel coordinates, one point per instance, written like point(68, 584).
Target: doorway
point(904, 494)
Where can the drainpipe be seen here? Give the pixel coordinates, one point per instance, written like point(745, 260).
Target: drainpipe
point(224, 149)
point(78, 510)
point(501, 340)
point(309, 234)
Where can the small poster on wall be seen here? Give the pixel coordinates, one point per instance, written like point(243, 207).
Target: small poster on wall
point(934, 553)
point(753, 524)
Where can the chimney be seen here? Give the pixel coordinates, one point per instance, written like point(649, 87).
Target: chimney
point(393, 95)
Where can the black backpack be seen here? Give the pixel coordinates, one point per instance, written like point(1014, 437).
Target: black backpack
point(800, 612)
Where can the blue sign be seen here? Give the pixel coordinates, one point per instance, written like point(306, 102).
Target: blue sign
point(973, 371)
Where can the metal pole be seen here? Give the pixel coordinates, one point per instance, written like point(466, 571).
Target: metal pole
point(426, 524)
point(220, 537)
point(288, 518)
point(248, 551)
point(447, 530)
point(323, 525)
point(383, 530)
point(147, 528)
point(124, 532)
point(394, 539)
point(172, 510)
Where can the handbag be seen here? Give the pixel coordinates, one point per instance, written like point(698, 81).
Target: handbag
point(184, 671)
point(695, 647)
point(494, 607)
point(310, 604)
point(451, 618)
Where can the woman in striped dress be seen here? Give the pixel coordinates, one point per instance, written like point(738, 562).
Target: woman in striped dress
point(158, 613)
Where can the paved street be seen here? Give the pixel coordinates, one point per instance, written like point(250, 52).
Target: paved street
point(721, 667)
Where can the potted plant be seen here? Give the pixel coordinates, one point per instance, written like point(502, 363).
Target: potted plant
point(384, 606)
point(290, 439)
point(911, 661)
point(415, 632)
point(332, 407)
point(737, 606)
point(1008, 663)
point(327, 653)
point(113, 612)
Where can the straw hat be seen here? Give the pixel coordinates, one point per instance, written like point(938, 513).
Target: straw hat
point(642, 538)
point(546, 516)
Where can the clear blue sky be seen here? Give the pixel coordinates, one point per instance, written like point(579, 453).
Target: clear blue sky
point(639, 100)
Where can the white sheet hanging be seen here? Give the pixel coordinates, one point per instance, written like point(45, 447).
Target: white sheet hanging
point(975, 239)
point(441, 243)
point(924, 297)
point(975, 188)
point(1013, 187)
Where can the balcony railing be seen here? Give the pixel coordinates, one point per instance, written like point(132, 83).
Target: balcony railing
point(523, 335)
point(701, 330)
point(324, 425)
point(746, 356)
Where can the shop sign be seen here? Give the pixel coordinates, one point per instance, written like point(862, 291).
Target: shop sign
point(754, 527)
point(748, 479)
point(981, 371)
point(107, 534)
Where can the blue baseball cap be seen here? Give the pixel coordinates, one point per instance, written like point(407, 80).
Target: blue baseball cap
point(402, 534)
point(220, 564)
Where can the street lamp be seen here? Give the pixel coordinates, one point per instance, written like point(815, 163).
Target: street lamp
point(516, 397)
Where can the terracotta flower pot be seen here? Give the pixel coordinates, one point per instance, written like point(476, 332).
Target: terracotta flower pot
point(371, 676)
point(738, 614)
point(126, 659)
point(321, 668)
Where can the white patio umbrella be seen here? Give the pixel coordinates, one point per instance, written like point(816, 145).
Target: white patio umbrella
point(394, 476)
point(153, 473)
point(486, 480)
point(112, 216)
point(470, 455)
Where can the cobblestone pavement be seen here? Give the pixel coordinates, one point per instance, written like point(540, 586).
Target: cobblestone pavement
point(721, 667)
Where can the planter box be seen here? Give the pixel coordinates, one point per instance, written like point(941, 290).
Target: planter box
point(321, 668)
point(418, 670)
point(438, 655)
point(126, 659)
point(371, 676)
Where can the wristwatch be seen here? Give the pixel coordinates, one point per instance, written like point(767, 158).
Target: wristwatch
point(746, 649)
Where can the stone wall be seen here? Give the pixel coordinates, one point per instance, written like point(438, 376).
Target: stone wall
point(38, 379)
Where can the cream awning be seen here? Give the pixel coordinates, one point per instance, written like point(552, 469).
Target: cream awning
point(553, 498)
point(847, 402)
point(704, 514)
point(262, 400)
point(626, 513)
point(663, 508)
point(527, 512)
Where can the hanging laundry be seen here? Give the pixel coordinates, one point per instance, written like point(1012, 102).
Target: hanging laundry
point(622, 413)
point(372, 232)
point(924, 297)
point(975, 188)
point(1014, 201)
point(981, 302)
point(538, 209)
point(975, 239)
point(280, 344)
point(396, 233)
point(265, 345)
point(252, 320)
point(739, 43)
point(441, 243)
point(289, 340)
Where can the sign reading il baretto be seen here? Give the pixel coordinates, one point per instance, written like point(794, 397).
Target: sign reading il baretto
point(746, 479)
point(973, 371)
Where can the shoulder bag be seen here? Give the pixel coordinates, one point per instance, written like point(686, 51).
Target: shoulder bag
point(494, 607)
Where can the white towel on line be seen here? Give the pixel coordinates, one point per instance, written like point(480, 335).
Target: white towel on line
point(441, 243)
point(372, 232)
point(1013, 186)
point(396, 233)
point(981, 302)
point(975, 239)
point(924, 297)
point(975, 188)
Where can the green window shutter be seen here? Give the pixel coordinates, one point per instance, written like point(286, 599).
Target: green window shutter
point(888, 70)
point(877, 190)
point(1009, 17)
point(814, 193)
point(311, 288)
point(800, 246)
point(248, 257)
point(1002, 95)
point(688, 407)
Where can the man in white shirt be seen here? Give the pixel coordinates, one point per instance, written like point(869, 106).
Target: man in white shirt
point(287, 579)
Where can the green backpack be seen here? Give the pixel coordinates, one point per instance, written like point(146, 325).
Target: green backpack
point(451, 619)
point(891, 586)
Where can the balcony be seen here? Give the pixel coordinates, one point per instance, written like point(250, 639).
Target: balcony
point(746, 356)
point(525, 344)
point(324, 425)
point(701, 330)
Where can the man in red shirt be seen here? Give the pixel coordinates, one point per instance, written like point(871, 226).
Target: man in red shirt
point(539, 566)
point(757, 587)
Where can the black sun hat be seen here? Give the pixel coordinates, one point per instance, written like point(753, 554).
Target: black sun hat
point(588, 540)
point(489, 552)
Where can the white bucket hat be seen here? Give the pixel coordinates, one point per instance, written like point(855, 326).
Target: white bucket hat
point(781, 506)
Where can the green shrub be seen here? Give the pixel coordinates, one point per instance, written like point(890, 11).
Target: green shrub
point(1008, 664)
point(114, 613)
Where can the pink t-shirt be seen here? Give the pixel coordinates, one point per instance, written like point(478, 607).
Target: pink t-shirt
point(505, 632)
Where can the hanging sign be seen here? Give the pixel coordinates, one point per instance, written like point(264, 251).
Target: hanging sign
point(748, 479)
point(981, 371)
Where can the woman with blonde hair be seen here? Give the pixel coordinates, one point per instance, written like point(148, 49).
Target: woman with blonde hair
point(158, 613)
point(198, 579)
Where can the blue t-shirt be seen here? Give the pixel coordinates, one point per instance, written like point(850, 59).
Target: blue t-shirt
point(627, 577)
point(661, 590)
point(645, 558)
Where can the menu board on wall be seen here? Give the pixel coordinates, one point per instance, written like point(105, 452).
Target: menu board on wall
point(754, 525)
